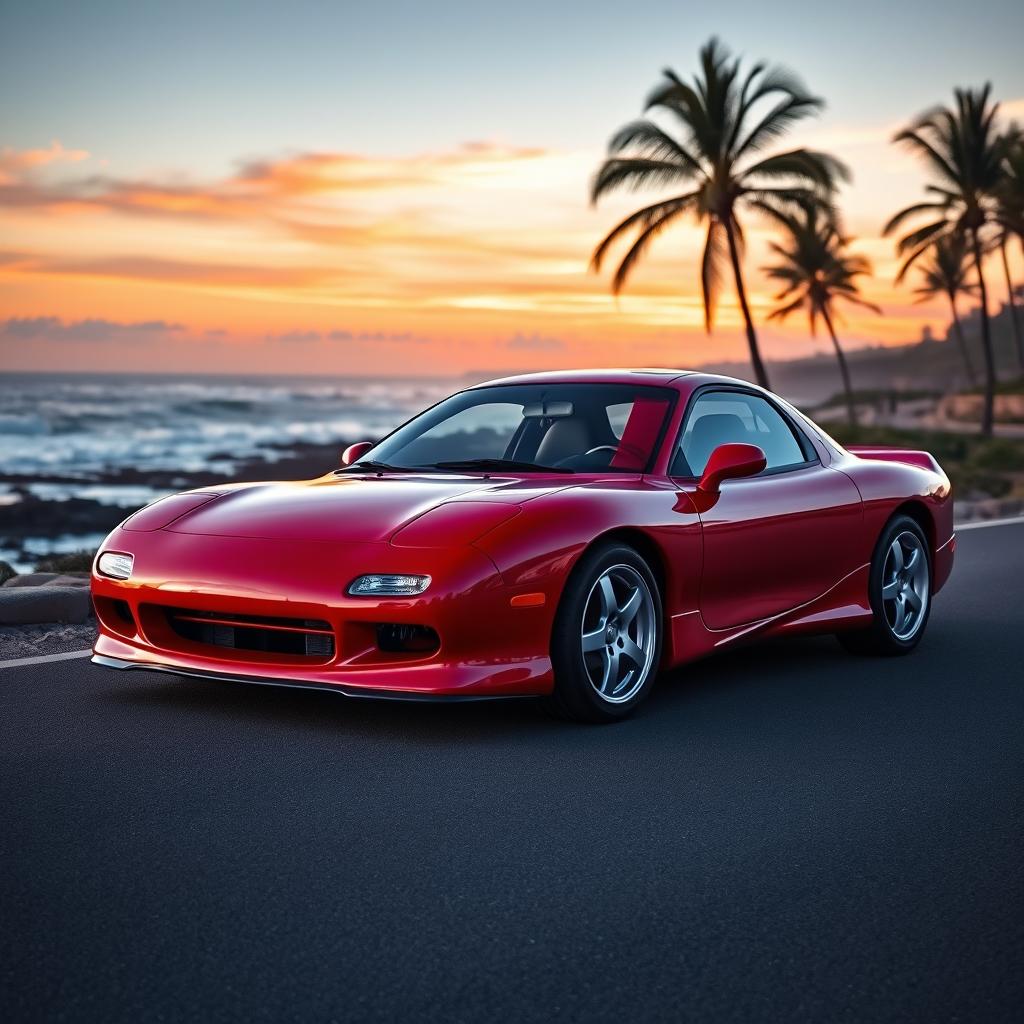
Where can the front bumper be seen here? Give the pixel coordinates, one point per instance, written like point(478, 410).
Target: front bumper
point(488, 648)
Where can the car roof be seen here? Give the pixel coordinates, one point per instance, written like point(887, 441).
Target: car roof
point(597, 376)
point(645, 375)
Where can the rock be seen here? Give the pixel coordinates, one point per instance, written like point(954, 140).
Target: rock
point(21, 605)
point(69, 581)
point(32, 579)
point(48, 579)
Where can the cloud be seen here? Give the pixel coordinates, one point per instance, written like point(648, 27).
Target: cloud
point(395, 336)
point(290, 337)
point(172, 271)
point(258, 189)
point(341, 334)
point(533, 343)
point(14, 163)
point(52, 328)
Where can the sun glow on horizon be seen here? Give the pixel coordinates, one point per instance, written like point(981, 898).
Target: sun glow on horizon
point(475, 256)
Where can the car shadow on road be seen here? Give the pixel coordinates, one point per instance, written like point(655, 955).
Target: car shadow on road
point(775, 670)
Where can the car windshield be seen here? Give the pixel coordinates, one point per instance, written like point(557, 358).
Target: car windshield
point(541, 427)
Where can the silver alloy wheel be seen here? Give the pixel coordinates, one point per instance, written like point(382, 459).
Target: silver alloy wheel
point(619, 633)
point(905, 585)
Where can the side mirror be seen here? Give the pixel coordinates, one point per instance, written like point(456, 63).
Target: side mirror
point(729, 461)
point(354, 452)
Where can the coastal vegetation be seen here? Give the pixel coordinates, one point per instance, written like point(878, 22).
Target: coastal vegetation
point(816, 270)
point(967, 156)
point(710, 145)
point(944, 270)
point(722, 121)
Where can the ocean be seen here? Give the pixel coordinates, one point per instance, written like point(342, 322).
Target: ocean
point(120, 442)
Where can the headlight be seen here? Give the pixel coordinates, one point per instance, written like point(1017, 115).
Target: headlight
point(116, 565)
point(388, 585)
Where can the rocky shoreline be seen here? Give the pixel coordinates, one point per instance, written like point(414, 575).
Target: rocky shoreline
point(29, 516)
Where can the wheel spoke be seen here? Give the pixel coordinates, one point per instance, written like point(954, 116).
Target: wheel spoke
point(914, 599)
point(901, 615)
point(627, 613)
point(890, 591)
point(633, 651)
point(608, 603)
point(594, 640)
point(610, 674)
point(896, 554)
point(912, 561)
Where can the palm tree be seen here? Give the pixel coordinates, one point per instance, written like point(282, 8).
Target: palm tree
point(725, 121)
point(966, 153)
point(1009, 215)
point(945, 273)
point(815, 270)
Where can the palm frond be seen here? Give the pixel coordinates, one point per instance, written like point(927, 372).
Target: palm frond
point(820, 168)
point(647, 234)
point(782, 312)
point(643, 219)
point(778, 121)
point(652, 143)
point(911, 211)
point(635, 173)
point(922, 236)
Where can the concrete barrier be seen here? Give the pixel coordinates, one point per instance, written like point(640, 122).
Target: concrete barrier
point(24, 605)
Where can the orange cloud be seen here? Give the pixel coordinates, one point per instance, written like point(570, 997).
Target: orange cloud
point(466, 247)
point(14, 162)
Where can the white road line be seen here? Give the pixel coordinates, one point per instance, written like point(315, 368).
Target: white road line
point(43, 659)
point(982, 523)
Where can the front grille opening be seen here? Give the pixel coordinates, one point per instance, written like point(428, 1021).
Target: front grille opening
point(308, 638)
point(115, 614)
point(400, 637)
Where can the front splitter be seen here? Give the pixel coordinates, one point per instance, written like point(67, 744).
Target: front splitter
point(342, 689)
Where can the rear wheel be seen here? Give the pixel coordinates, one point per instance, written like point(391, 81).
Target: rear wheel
point(606, 643)
point(900, 590)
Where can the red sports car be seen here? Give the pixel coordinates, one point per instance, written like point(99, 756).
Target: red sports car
point(561, 535)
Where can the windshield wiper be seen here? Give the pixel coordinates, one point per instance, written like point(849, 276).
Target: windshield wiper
point(511, 465)
point(376, 467)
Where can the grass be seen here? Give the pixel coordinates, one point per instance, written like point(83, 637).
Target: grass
point(873, 396)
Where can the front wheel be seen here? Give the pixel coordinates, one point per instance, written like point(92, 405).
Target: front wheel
point(606, 643)
point(900, 591)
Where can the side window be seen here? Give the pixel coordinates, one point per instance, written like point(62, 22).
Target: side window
point(724, 417)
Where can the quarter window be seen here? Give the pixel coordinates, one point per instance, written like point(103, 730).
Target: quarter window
point(725, 417)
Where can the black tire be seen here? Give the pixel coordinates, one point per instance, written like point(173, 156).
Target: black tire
point(881, 639)
point(575, 695)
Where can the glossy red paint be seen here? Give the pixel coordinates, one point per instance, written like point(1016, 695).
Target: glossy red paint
point(354, 452)
point(729, 462)
point(772, 553)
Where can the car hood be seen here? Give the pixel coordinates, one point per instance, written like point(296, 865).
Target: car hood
point(333, 508)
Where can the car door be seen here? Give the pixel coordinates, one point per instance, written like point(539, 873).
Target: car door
point(773, 541)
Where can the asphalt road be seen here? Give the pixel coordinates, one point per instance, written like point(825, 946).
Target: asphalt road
point(785, 833)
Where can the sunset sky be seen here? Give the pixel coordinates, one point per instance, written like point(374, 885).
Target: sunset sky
point(402, 187)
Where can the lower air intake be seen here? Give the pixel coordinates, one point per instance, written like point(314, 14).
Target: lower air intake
point(310, 638)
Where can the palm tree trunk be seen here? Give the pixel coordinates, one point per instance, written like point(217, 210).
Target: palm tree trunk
point(760, 375)
point(851, 410)
point(988, 407)
point(1013, 305)
point(972, 377)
